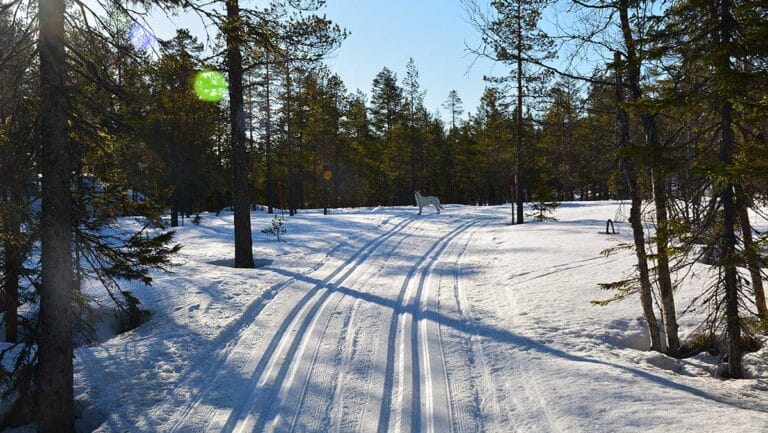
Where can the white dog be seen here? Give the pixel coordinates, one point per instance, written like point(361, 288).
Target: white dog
point(422, 201)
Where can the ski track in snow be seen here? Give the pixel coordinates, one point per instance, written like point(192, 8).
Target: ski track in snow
point(430, 324)
point(429, 405)
point(484, 385)
point(269, 377)
point(202, 375)
point(401, 406)
point(294, 391)
point(275, 351)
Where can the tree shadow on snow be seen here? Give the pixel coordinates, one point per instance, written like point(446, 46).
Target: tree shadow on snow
point(504, 336)
point(230, 263)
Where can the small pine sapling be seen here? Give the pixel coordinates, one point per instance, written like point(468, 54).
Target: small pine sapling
point(277, 228)
point(544, 206)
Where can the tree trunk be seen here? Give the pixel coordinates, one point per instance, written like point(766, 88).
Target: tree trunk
point(727, 144)
point(288, 140)
point(751, 255)
point(54, 388)
point(413, 148)
point(730, 272)
point(175, 178)
point(243, 240)
point(519, 122)
point(635, 213)
point(659, 191)
point(668, 312)
point(454, 139)
point(268, 141)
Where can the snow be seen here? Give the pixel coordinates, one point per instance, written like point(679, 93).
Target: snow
point(377, 319)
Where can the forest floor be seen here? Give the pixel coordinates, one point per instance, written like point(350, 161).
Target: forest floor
point(381, 320)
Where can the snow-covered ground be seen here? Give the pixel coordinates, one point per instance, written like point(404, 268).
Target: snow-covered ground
point(380, 320)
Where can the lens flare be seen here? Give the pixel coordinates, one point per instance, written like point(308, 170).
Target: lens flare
point(141, 38)
point(210, 85)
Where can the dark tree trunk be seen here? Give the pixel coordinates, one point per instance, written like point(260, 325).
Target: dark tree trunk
point(519, 121)
point(733, 325)
point(751, 254)
point(243, 240)
point(268, 141)
point(454, 192)
point(727, 199)
point(646, 295)
point(413, 148)
point(175, 177)
point(55, 394)
point(288, 140)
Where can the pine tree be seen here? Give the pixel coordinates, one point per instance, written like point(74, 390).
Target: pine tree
point(182, 128)
point(55, 388)
point(68, 157)
point(18, 155)
point(512, 35)
point(454, 105)
point(414, 99)
point(493, 140)
point(233, 30)
point(366, 169)
point(635, 218)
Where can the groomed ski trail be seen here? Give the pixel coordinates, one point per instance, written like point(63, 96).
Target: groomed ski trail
point(323, 347)
point(277, 366)
point(401, 402)
point(289, 400)
point(238, 355)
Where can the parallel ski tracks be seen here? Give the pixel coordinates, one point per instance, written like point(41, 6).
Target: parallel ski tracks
point(309, 303)
point(305, 363)
point(409, 360)
point(401, 394)
point(275, 366)
point(281, 412)
point(473, 342)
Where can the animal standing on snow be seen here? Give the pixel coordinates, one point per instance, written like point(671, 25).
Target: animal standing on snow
point(422, 201)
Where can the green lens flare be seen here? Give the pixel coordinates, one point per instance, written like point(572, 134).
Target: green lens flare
point(210, 86)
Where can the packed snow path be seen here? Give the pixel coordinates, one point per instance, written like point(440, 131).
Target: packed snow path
point(329, 364)
point(385, 321)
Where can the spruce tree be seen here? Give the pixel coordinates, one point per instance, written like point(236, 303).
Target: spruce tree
point(386, 103)
point(18, 163)
point(719, 45)
point(511, 34)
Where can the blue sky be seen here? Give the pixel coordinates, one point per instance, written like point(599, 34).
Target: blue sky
point(389, 32)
